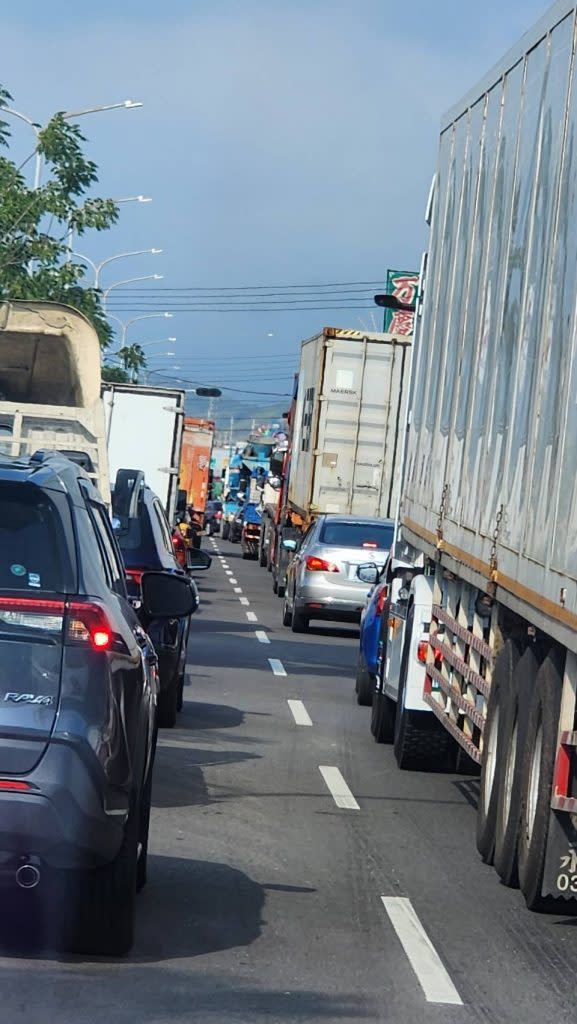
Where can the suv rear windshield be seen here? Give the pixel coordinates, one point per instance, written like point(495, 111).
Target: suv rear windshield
point(32, 547)
point(358, 535)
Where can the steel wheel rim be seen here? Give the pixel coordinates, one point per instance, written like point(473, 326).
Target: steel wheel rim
point(534, 780)
point(491, 757)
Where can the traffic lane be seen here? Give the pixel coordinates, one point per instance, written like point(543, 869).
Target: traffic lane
point(420, 835)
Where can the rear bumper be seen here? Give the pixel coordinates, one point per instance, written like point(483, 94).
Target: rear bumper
point(323, 600)
point(63, 820)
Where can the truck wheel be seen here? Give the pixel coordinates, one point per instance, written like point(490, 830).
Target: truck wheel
point(490, 768)
point(537, 780)
point(225, 530)
point(280, 589)
point(364, 683)
point(300, 622)
point(383, 716)
point(515, 703)
point(421, 743)
point(262, 559)
point(275, 585)
point(287, 615)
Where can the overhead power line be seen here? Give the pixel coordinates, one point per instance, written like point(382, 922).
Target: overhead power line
point(270, 287)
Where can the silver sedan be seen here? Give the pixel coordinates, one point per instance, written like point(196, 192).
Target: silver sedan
point(325, 579)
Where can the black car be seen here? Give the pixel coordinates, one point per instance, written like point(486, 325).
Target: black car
point(213, 516)
point(146, 543)
point(78, 693)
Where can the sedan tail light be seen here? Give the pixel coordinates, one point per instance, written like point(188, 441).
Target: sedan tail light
point(314, 564)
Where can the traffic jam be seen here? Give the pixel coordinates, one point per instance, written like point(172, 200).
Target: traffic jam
point(288, 717)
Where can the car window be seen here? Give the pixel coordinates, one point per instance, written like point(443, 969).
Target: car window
point(307, 536)
point(32, 547)
point(113, 569)
point(164, 528)
point(357, 535)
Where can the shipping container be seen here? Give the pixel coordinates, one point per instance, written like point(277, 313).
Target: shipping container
point(348, 423)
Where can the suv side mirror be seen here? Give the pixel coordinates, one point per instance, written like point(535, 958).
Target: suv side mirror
point(198, 560)
point(289, 545)
point(166, 596)
point(368, 573)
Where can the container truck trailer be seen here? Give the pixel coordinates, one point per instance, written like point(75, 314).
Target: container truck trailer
point(481, 651)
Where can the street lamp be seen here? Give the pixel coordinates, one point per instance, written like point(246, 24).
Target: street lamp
point(129, 280)
point(97, 267)
point(124, 199)
point(37, 128)
point(125, 324)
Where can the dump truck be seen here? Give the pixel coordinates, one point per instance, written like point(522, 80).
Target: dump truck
point(197, 442)
point(50, 386)
point(489, 502)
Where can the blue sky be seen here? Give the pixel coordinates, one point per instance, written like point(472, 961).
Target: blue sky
point(281, 142)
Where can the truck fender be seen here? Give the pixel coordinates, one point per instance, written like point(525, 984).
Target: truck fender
point(422, 602)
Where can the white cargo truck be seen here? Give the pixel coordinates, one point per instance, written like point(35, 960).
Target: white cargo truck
point(348, 424)
point(50, 386)
point(144, 431)
point(489, 499)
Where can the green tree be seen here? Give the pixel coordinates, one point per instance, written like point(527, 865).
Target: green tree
point(115, 374)
point(34, 224)
point(134, 360)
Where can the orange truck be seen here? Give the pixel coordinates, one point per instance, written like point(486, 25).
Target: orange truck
point(197, 441)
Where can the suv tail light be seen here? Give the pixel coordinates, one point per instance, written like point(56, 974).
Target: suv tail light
point(88, 624)
point(179, 549)
point(314, 564)
point(381, 599)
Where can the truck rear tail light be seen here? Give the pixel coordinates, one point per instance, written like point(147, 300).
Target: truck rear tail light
point(32, 613)
point(314, 564)
point(382, 600)
point(87, 624)
point(422, 648)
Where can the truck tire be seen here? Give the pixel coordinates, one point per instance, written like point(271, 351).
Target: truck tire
point(300, 622)
point(225, 530)
point(516, 700)
point(364, 683)
point(275, 585)
point(490, 768)
point(420, 742)
point(383, 714)
point(537, 779)
point(280, 589)
point(262, 558)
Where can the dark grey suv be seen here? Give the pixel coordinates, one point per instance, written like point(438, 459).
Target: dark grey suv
point(78, 695)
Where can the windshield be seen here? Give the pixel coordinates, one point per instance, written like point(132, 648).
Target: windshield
point(358, 535)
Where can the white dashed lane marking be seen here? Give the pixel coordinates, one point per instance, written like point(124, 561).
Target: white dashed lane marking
point(299, 712)
point(244, 600)
point(338, 788)
point(423, 957)
point(261, 636)
point(277, 667)
point(251, 617)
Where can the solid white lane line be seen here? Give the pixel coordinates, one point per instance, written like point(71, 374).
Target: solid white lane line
point(231, 579)
point(261, 636)
point(423, 957)
point(338, 788)
point(237, 590)
point(244, 600)
point(251, 617)
point(300, 713)
point(277, 667)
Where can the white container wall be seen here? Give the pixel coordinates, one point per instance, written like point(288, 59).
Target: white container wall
point(492, 452)
point(350, 415)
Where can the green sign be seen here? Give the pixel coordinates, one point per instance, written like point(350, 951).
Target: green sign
point(404, 285)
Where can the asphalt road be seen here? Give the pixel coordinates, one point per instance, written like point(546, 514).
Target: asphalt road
point(265, 897)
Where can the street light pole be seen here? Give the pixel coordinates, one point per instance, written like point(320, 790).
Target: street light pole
point(36, 128)
point(125, 324)
point(129, 280)
point(125, 199)
point(97, 267)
